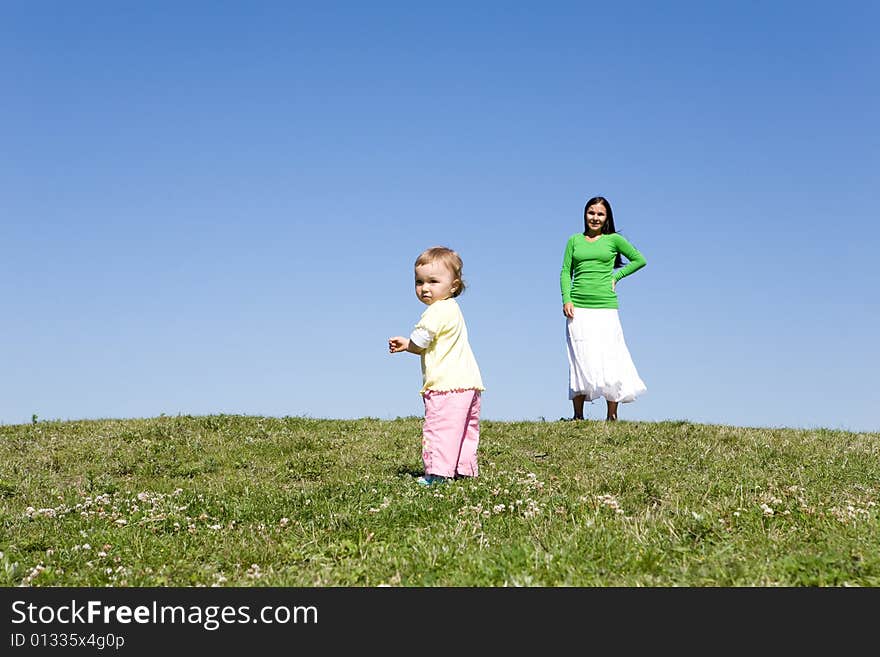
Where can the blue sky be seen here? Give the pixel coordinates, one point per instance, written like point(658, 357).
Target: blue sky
point(214, 207)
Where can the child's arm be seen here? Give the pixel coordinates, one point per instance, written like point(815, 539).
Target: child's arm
point(399, 344)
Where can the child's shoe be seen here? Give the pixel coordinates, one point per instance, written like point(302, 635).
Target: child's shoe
point(430, 480)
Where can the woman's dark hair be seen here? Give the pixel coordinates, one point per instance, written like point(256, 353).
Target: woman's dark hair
point(608, 226)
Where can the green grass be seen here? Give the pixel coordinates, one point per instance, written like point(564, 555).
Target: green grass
point(253, 501)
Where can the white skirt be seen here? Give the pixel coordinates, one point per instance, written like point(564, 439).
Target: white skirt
point(599, 363)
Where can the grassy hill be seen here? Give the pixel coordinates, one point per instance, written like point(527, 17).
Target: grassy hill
point(256, 501)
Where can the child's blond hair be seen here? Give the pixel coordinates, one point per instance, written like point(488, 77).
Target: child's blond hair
point(449, 258)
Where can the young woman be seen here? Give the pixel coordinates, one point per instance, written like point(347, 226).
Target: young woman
point(599, 361)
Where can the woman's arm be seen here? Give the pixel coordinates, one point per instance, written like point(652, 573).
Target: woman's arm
point(631, 253)
point(565, 274)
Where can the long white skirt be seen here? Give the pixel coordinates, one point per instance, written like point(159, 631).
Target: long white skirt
point(599, 363)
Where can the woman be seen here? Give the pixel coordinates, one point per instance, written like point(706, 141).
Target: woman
point(599, 362)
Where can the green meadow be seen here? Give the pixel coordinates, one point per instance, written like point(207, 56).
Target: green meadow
point(231, 500)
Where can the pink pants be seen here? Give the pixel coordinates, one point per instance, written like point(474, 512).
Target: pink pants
point(451, 433)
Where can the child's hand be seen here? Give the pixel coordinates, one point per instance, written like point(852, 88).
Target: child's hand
point(397, 344)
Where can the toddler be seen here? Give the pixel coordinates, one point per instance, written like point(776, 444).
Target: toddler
point(451, 382)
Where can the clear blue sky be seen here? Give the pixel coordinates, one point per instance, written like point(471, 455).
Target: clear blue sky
point(214, 207)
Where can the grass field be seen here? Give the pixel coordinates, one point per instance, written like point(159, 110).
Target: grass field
point(232, 500)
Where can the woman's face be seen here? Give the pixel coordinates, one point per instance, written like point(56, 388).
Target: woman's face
point(596, 216)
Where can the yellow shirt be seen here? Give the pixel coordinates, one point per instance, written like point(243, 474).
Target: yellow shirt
point(447, 360)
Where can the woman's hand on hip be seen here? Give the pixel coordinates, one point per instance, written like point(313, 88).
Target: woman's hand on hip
point(568, 310)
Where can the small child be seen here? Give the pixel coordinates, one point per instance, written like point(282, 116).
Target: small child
point(451, 383)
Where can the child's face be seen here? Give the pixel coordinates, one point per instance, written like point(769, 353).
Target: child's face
point(434, 282)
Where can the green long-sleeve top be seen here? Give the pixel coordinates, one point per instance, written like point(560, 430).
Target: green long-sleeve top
point(588, 269)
